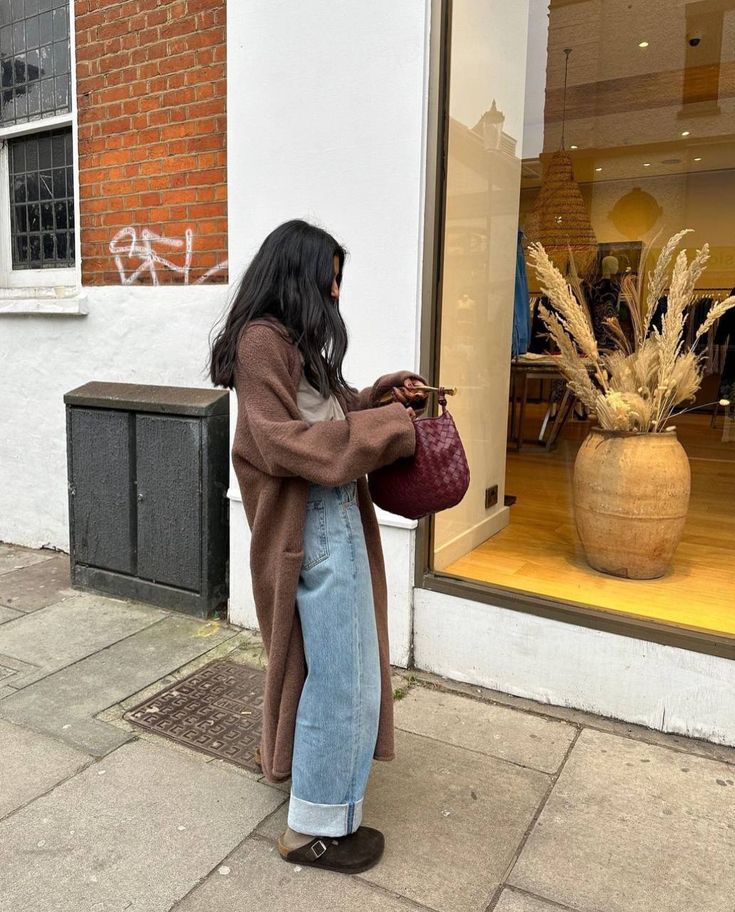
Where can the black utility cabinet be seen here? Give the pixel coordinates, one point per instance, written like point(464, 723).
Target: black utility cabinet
point(148, 472)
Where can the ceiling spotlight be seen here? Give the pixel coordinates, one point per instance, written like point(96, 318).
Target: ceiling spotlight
point(685, 132)
point(646, 164)
point(643, 44)
point(574, 147)
point(698, 158)
point(598, 169)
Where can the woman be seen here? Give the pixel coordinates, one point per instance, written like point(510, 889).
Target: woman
point(303, 444)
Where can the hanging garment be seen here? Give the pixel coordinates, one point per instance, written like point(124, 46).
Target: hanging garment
point(521, 309)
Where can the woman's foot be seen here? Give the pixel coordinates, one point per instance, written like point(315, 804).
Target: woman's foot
point(350, 854)
point(293, 840)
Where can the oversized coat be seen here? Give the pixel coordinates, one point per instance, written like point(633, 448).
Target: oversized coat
point(275, 455)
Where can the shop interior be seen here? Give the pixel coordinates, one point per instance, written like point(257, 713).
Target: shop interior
point(617, 121)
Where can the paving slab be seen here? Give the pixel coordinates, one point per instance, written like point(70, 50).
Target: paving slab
point(577, 717)
point(10, 670)
point(255, 878)
point(511, 901)
point(134, 832)
point(453, 820)
point(67, 631)
point(498, 731)
point(64, 704)
point(14, 557)
point(32, 764)
point(37, 585)
point(632, 827)
point(8, 614)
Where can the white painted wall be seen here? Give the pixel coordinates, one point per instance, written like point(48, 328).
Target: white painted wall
point(326, 120)
point(664, 688)
point(132, 335)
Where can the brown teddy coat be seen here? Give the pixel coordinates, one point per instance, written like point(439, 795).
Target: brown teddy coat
point(276, 454)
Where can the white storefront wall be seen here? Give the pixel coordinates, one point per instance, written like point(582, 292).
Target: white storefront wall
point(326, 121)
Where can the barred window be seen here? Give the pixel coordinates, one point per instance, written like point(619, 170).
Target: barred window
point(42, 200)
point(37, 230)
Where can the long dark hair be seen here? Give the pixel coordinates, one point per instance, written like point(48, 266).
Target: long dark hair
point(290, 278)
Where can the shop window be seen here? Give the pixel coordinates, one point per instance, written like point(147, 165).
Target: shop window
point(573, 123)
point(37, 240)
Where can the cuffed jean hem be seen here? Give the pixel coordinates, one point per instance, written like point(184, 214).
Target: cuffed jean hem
point(324, 819)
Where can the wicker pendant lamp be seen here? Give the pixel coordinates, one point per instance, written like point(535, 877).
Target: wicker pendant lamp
point(559, 218)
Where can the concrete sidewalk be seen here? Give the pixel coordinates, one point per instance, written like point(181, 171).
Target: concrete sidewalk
point(494, 803)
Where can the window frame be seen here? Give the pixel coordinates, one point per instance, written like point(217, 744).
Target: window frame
point(36, 282)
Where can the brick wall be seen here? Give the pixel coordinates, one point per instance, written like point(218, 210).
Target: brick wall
point(152, 131)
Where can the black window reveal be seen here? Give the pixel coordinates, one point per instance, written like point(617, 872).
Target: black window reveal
point(42, 200)
point(35, 60)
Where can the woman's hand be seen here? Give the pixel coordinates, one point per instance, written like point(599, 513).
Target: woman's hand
point(409, 396)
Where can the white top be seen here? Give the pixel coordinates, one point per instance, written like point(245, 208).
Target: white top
point(313, 406)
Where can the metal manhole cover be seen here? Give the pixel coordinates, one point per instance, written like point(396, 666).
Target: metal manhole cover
point(217, 710)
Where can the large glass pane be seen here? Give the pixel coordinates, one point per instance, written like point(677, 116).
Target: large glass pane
point(598, 130)
point(35, 60)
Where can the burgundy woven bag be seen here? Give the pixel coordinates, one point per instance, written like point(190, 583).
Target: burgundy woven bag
point(435, 478)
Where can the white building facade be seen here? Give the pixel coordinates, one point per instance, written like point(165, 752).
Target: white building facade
point(336, 113)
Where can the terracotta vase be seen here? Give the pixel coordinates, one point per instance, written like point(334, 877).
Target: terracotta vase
point(631, 495)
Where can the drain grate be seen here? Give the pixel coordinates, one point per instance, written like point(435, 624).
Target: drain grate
point(217, 710)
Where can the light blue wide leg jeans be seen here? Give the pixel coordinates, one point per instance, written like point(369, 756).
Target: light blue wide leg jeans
point(337, 717)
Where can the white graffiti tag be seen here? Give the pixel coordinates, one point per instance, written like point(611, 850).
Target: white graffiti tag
point(148, 248)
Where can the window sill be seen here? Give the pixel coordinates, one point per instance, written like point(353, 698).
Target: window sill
point(42, 302)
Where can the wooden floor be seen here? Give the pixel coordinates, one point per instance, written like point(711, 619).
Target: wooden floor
point(539, 551)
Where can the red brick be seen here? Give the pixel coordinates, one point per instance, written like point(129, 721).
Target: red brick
point(149, 103)
point(212, 176)
point(149, 70)
point(178, 63)
point(157, 118)
point(184, 26)
point(179, 97)
point(211, 160)
point(120, 157)
point(207, 143)
point(118, 125)
point(150, 35)
point(89, 20)
point(175, 131)
point(183, 196)
point(117, 93)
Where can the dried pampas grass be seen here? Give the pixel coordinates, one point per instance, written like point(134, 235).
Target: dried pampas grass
point(636, 388)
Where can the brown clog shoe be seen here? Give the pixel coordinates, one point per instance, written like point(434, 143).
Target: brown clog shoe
point(351, 854)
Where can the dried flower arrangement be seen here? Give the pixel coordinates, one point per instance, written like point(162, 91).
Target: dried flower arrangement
point(638, 386)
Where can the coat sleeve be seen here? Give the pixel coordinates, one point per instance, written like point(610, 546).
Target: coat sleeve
point(327, 452)
point(368, 397)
